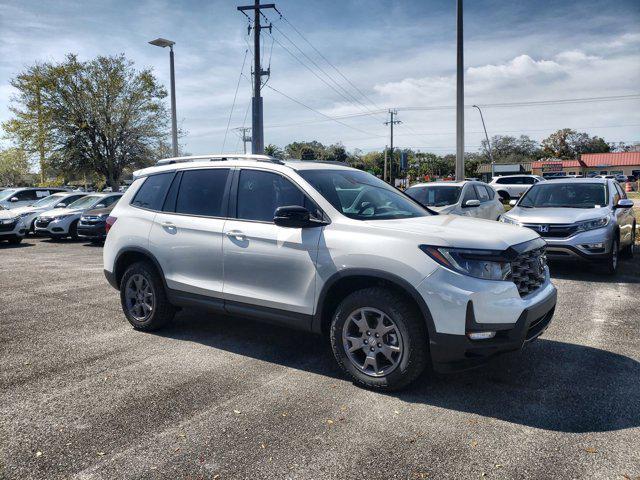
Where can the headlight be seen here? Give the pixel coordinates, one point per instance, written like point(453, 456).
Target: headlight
point(485, 264)
point(593, 224)
point(509, 220)
point(8, 221)
point(61, 217)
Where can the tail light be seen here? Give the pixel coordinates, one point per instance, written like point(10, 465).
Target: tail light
point(109, 223)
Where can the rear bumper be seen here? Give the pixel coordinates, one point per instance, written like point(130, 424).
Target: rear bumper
point(451, 352)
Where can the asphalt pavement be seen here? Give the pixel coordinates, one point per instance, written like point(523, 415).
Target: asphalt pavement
point(84, 396)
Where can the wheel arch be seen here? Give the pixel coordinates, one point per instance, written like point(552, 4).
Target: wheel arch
point(131, 255)
point(342, 283)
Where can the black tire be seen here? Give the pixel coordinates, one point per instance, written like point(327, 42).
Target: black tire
point(32, 228)
point(162, 312)
point(414, 356)
point(627, 252)
point(15, 240)
point(504, 196)
point(611, 263)
point(73, 230)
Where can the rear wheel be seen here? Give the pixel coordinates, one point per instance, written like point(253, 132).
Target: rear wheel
point(144, 300)
point(379, 339)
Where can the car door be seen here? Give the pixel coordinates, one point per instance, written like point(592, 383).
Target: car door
point(494, 206)
point(623, 215)
point(266, 265)
point(186, 235)
point(484, 209)
point(468, 193)
point(26, 197)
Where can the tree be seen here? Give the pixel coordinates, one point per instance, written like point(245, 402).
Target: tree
point(567, 143)
point(31, 126)
point(14, 167)
point(508, 149)
point(104, 115)
point(274, 151)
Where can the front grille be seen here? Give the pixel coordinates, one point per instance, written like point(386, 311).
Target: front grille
point(527, 270)
point(553, 231)
point(43, 222)
point(7, 227)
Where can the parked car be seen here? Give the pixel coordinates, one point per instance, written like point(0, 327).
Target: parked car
point(57, 200)
point(12, 228)
point(469, 198)
point(63, 222)
point(513, 186)
point(329, 249)
point(21, 197)
point(585, 219)
point(92, 224)
point(621, 178)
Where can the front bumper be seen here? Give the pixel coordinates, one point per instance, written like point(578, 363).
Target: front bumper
point(458, 352)
point(575, 247)
point(93, 231)
point(12, 230)
point(55, 228)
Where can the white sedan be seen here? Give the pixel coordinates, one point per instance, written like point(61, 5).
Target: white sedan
point(469, 198)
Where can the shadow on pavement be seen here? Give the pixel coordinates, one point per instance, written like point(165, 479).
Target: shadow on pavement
point(7, 245)
point(628, 271)
point(550, 385)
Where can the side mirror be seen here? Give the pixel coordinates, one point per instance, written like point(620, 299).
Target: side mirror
point(292, 216)
point(13, 199)
point(513, 202)
point(624, 203)
point(60, 205)
point(471, 203)
point(100, 205)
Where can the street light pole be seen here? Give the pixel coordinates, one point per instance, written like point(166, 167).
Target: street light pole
point(487, 137)
point(161, 42)
point(459, 96)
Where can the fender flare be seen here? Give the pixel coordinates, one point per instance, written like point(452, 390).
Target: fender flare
point(142, 251)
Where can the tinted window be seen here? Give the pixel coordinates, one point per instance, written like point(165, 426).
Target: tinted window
point(435, 196)
point(490, 191)
point(151, 193)
point(110, 200)
point(261, 193)
point(202, 191)
point(26, 195)
point(483, 195)
point(529, 180)
point(565, 195)
point(469, 194)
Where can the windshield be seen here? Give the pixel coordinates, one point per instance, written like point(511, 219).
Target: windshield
point(7, 194)
point(361, 196)
point(85, 201)
point(48, 201)
point(565, 195)
point(435, 196)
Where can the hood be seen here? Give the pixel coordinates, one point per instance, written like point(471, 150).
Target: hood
point(5, 214)
point(21, 210)
point(58, 212)
point(556, 215)
point(457, 231)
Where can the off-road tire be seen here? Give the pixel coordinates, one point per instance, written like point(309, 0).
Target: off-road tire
point(415, 354)
point(162, 313)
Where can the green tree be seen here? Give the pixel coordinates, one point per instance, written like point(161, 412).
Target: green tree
point(104, 115)
point(508, 149)
point(274, 151)
point(567, 143)
point(31, 126)
point(14, 167)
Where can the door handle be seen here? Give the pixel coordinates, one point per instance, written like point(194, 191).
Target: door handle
point(237, 234)
point(168, 225)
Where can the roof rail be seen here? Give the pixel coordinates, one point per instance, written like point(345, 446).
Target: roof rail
point(219, 158)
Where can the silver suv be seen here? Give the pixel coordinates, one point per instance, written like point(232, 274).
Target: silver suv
point(582, 218)
point(329, 249)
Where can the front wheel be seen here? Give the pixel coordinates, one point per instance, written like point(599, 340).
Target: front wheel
point(611, 263)
point(15, 240)
point(143, 298)
point(379, 339)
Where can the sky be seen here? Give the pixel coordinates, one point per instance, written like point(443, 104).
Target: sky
point(394, 54)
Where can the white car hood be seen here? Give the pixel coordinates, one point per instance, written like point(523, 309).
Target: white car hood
point(5, 214)
point(457, 231)
point(57, 212)
point(556, 215)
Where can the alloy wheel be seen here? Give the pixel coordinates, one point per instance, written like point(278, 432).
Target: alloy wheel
point(372, 341)
point(140, 298)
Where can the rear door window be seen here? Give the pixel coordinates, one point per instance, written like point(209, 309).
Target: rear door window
point(202, 192)
point(152, 192)
point(27, 195)
point(483, 195)
point(469, 194)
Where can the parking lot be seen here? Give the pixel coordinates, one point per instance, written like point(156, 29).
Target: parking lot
point(85, 396)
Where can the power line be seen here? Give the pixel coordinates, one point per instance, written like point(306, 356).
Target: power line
point(235, 95)
point(318, 112)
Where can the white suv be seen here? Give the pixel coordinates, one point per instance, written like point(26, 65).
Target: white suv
point(513, 186)
point(329, 249)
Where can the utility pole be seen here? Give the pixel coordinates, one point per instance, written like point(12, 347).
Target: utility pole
point(242, 131)
point(391, 122)
point(386, 151)
point(459, 97)
point(257, 127)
